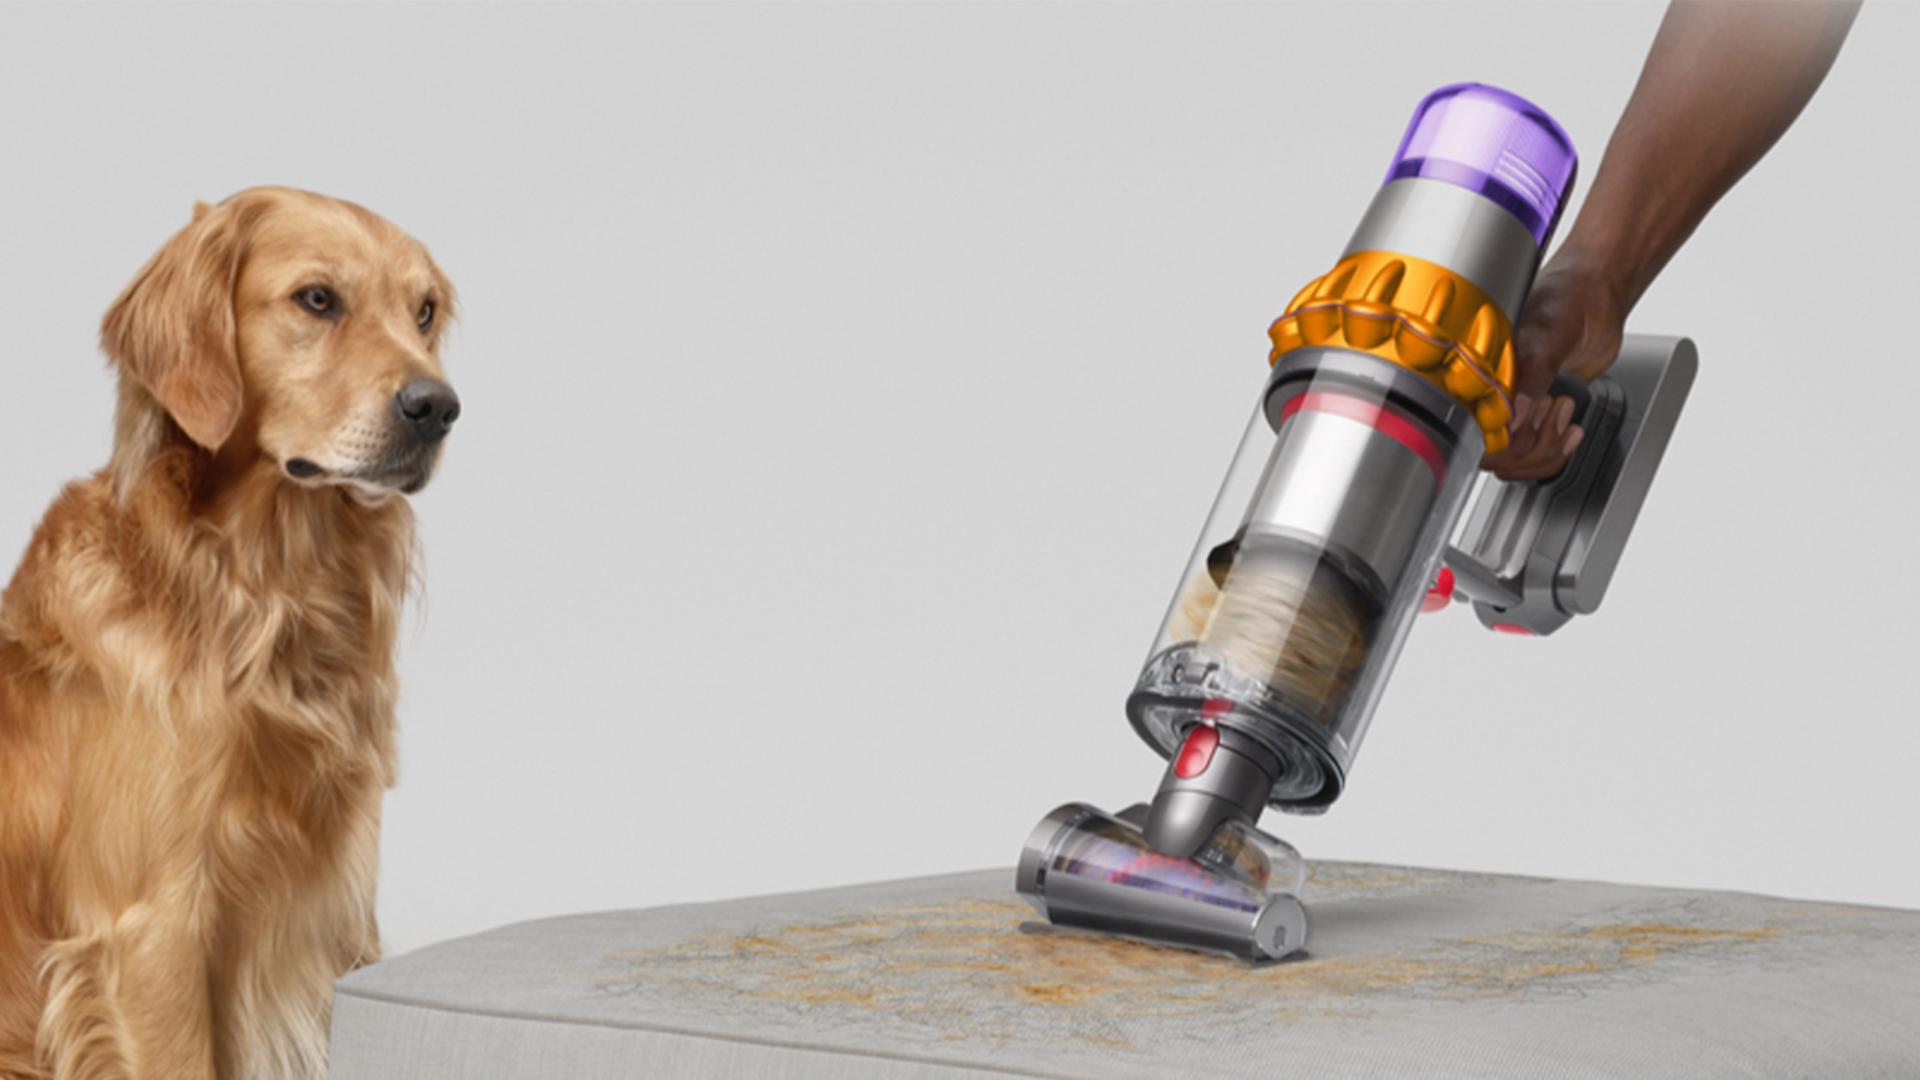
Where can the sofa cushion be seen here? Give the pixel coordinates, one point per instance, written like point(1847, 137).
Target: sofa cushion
point(1409, 972)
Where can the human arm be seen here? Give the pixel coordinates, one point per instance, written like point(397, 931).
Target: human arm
point(1722, 82)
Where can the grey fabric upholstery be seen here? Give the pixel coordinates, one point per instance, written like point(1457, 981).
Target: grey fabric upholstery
point(1411, 973)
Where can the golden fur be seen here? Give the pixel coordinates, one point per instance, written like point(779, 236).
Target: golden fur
point(1278, 615)
point(196, 659)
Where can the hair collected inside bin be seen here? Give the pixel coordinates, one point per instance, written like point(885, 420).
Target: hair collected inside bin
point(1277, 611)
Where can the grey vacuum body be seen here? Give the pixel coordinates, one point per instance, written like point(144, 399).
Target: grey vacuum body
point(1355, 497)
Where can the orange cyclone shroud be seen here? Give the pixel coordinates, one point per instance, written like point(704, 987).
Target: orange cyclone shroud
point(1417, 314)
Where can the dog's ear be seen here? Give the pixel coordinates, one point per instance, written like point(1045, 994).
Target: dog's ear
point(173, 329)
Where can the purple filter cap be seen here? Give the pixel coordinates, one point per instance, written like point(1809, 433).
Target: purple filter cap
point(1499, 144)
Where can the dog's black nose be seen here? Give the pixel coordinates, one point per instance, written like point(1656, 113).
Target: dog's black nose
point(428, 408)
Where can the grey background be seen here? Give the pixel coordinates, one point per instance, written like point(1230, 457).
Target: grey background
point(845, 387)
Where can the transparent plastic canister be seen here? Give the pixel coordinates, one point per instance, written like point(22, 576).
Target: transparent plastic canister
point(1320, 547)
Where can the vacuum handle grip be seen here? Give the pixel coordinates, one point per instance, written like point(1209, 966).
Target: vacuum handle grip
point(1534, 554)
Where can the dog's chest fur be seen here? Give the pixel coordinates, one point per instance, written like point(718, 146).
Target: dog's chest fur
point(236, 658)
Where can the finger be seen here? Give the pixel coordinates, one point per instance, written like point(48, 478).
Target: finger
point(1545, 459)
point(1514, 464)
point(1552, 456)
point(1544, 427)
point(1562, 415)
point(1540, 440)
point(1541, 416)
point(1519, 442)
point(1518, 472)
point(1527, 434)
point(1533, 469)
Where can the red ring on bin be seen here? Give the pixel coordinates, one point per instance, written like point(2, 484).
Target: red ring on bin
point(1378, 417)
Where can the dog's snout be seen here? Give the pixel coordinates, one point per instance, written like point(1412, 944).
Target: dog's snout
point(428, 408)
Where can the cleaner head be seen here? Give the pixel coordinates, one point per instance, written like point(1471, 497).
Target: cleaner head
point(1237, 895)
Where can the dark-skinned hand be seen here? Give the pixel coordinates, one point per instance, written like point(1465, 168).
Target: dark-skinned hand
point(1573, 321)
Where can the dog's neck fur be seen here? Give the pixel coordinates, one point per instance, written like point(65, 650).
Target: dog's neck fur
point(279, 585)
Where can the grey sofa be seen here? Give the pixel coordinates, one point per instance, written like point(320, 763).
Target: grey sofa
point(1411, 973)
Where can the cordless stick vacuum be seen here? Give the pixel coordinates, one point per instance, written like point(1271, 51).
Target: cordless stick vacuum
point(1351, 505)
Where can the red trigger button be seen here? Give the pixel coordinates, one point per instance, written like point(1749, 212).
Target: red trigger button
point(1197, 753)
point(1440, 594)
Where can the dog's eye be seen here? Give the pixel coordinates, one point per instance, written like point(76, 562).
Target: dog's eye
point(425, 318)
point(318, 299)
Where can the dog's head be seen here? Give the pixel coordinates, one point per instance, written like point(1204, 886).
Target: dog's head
point(298, 327)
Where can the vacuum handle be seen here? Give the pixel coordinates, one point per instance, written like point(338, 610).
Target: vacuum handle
point(1534, 555)
point(1501, 589)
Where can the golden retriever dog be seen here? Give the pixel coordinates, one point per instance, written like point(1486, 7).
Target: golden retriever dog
point(196, 653)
